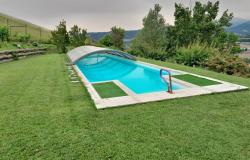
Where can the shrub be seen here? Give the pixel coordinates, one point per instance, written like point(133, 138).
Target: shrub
point(4, 33)
point(247, 60)
point(194, 55)
point(145, 50)
point(23, 38)
point(229, 64)
point(106, 41)
point(17, 45)
point(35, 44)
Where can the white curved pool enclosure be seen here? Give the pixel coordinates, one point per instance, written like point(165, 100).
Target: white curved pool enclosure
point(80, 52)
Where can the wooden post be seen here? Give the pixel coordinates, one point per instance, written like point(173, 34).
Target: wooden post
point(40, 33)
point(9, 29)
point(7, 21)
point(26, 32)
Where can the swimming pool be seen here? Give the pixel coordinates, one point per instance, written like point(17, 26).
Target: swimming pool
point(138, 77)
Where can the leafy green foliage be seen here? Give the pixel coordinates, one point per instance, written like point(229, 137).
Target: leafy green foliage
point(212, 58)
point(150, 42)
point(4, 33)
point(60, 37)
point(229, 64)
point(77, 36)
point(117, 36)
point(200, 24)
point(195, 54)
point(247, 60)
point(179, 42)
point(226, 41)
point(203, 24)
point(114, 39)
point(23, 37)
point(106, 41)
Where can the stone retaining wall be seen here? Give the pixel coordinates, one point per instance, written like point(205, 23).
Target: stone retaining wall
point(10, 55)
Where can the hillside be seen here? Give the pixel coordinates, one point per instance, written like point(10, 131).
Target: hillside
point(18, 26)
point(237, 21)
point(242, 29)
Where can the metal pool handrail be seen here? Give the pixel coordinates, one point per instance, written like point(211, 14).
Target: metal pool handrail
point(170, 89)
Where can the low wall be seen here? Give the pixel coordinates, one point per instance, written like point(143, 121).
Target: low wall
point(10, 55)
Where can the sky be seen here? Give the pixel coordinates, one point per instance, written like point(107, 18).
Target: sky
point(101, 15)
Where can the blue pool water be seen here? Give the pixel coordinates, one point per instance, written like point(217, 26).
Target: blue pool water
point(138, 77)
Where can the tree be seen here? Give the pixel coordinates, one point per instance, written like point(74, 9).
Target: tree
point(77, 36)
point(151, 41)
point(106, 41)
point(4, 33)
point(114, 38)
point(202, 24)
point(60, 37)
point(117, 35)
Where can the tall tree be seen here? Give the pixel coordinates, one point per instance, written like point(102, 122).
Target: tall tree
point(117, 35)
point(60, 37)
point(77, 36)
point(114, 38)
point(201, 24)
point(151, 40)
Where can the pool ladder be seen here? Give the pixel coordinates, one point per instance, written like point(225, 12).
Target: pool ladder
point(170, 89)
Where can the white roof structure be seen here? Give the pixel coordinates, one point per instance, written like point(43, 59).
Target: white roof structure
point(80, 52)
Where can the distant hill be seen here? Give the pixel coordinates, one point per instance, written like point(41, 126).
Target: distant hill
point(17, 26)
point(237, 21)
point(242, 29)
point(97, 35)
point(129, 35)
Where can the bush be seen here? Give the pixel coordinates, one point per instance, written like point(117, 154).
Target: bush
point(4, 33)
point(23, 38)
point(106, 41)
point(229, 64)
point(247, 60)
point(144, 50)
point(35, 44)
point(17, 45)
point(194, 55)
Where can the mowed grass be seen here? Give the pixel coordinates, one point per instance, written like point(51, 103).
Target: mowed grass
point(108, 90)
point(195, 80)
point(45, 116)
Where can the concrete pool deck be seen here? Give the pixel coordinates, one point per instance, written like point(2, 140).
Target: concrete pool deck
point(133, 98)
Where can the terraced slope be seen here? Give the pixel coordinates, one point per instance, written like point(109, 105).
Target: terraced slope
point(17, 26)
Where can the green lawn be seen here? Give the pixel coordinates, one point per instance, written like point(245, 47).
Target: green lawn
point(196, 80)
point(45, 116)
point(108, 90)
